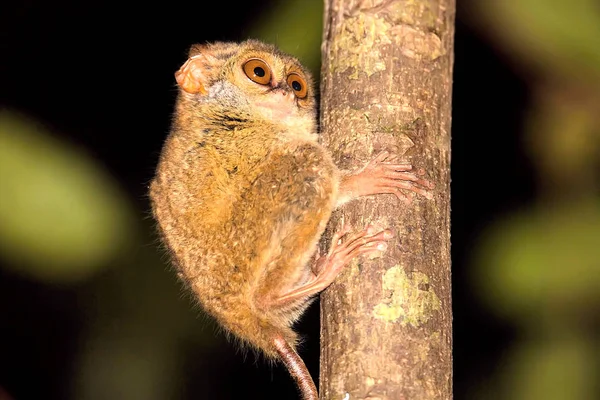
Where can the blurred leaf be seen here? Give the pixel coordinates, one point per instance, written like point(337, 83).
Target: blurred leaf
point(141, 319)
point(558, 36)
point(557, 369)
point(563, 135)
point(544, 259)
point(61, 216)
point(296, 27)
point(127, 367)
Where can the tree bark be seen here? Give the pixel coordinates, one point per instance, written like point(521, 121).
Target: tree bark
point(386, 323)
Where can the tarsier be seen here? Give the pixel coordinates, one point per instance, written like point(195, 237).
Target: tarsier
point(243, 192)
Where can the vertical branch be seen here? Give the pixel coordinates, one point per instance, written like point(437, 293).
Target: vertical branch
point(386, 84)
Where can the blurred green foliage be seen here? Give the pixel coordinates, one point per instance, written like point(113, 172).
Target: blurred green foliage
point(61, 216)
point(551, 369)
point(545, 258)
point(65, 221)
point(539, 267)
point(560, 37)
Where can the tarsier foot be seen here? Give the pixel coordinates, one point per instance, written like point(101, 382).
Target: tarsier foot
point(341, 252)
point(385, 174)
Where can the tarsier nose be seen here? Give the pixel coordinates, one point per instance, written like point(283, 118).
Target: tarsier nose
point(285, 95)
point(284, 92)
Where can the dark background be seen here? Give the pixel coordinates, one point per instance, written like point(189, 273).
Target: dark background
point(98, 77)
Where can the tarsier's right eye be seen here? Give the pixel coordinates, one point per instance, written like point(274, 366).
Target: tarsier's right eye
point(258, 71)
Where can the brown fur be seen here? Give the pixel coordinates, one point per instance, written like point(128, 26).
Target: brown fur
point(241, 199)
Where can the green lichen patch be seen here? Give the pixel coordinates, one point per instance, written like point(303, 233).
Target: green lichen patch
point(411, 301)
point(357, 45)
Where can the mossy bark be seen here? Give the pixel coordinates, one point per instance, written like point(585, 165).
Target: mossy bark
point(386, 323)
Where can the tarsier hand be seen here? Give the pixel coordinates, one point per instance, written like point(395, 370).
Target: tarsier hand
point(385, 175)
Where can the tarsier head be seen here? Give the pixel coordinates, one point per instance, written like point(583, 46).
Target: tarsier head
point(249, 76)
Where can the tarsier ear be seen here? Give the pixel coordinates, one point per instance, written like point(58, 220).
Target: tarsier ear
point(198, 71)
point(196, 49)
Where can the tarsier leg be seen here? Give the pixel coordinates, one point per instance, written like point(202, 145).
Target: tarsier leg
point(384, 174)
point(340, 254)
point(297, 369)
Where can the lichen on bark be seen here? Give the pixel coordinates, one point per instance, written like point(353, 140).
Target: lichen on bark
point(409, 301)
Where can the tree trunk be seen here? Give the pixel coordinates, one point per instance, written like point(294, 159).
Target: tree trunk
point(386, 323)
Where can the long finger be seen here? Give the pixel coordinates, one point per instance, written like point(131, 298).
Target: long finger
point(349, 247)
point(389, 184)
point(336, 242)
point(408, 176)
point(376, 247)
point(397, 166)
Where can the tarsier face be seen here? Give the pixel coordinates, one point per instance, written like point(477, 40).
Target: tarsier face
point(276, 86)
point(256, 75)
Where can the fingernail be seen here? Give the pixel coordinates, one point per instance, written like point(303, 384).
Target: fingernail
point(388, 234)
point(382, 246)
point(370, 230)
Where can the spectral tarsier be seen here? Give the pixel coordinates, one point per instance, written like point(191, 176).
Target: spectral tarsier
point(243, 192)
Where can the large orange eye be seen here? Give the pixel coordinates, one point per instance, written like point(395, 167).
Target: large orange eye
point(298, 85)
point(258, 71)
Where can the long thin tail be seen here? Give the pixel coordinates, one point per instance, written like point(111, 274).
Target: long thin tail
point(297, 369)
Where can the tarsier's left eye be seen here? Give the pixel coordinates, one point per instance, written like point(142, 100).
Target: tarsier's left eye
point(258, 71)
point(298, 85)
